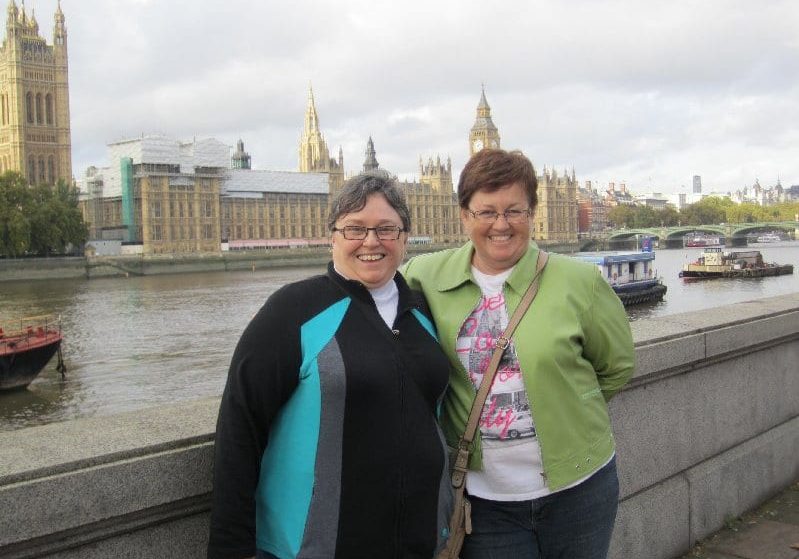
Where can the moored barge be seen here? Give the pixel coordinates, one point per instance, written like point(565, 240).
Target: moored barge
point(716, 263)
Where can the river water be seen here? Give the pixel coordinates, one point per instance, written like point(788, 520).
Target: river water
point(143, 341)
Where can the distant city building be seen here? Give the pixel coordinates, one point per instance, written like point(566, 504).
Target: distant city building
point(556, 217)
point(763, 196)
point(240, 159)
point(592, 213)
point(34, 100)
point(697, 184)
point(618, 197)
point(654, 200)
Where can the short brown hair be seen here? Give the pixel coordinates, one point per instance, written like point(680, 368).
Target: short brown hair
point(356, 193)
point(492, 169)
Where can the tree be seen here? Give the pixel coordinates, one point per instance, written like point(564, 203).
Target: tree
point(621, 216)
point(668, 216)
point(708, 211)
point(15, 227)
point(41, 219)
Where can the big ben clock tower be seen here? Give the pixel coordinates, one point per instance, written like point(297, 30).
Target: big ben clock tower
point(484, 133)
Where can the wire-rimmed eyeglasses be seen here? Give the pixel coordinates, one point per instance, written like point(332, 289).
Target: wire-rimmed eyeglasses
point(511, 216)
point(359, 233)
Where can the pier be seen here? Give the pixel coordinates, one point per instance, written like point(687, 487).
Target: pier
point(707, 429)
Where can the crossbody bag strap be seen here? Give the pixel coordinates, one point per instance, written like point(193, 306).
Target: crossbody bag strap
point(462, 459)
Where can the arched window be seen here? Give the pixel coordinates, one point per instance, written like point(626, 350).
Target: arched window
point(31, 170)
point(39, 112)
point(50, 170)
point(42, 176)
point(3, 107)
point(49, 107)
point(29, 106)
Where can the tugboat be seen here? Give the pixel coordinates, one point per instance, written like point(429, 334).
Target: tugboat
point(25, 351)
point(715, 263)
point(631, 275)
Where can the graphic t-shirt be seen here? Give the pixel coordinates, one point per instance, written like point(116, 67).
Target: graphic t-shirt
point(512, 465)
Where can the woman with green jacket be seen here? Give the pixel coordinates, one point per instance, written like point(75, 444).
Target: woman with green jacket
point(542, 480)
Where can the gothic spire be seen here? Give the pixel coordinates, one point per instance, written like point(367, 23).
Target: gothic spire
point(13, 12)
point(483, 104)
point(311, 118)
point(370, 164)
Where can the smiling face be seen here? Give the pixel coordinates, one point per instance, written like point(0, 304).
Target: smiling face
point(498, 245)
point(370, 261)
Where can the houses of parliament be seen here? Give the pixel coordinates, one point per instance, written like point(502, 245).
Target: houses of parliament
point(159, 195)
point(165, 196)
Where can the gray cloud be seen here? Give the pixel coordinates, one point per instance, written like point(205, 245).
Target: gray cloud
point(647, 93)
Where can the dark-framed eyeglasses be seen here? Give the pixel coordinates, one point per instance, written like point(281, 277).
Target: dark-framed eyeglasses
point(511, 216)
point(359, 233)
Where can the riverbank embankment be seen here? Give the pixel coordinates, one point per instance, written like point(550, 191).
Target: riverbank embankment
point(90, 267)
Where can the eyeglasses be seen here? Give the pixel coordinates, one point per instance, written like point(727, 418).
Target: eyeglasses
point(359, 233)
point(511, 216)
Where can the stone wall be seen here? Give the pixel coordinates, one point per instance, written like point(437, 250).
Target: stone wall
point(708, 428)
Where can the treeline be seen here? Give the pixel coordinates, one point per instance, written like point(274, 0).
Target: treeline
point(38, 220)
point(708, 211)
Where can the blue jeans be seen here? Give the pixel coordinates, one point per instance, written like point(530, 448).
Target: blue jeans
point(572, 524)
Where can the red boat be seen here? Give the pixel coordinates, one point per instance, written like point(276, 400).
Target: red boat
point(25, 351)
point(700, 240)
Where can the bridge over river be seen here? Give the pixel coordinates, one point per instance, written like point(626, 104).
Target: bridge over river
point(734, 234)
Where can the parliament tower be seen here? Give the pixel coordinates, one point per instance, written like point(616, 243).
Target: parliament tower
point(34, 100)
point(314, 155)
point(484, 133)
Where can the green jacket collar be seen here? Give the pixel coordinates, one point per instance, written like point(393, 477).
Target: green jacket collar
point(461, 269)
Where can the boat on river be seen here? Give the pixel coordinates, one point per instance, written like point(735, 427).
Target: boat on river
point(631, 275)
point(716, 263)
point(701, 240)
point(26, 348)
point(768, 238)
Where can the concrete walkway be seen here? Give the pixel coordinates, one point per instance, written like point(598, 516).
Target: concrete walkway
point(769, 532)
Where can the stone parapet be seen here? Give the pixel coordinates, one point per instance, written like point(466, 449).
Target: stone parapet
point(707, 429)
point(133, 485)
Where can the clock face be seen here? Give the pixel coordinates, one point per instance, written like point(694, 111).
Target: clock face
point(478, 145)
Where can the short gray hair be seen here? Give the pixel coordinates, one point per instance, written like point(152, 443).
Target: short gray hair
point(356, 192)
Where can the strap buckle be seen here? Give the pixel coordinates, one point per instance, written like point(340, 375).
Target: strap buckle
point(503, 342)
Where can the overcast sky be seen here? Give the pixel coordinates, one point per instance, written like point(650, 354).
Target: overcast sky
point(642, 92)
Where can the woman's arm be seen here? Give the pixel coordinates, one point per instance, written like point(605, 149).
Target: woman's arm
point(608, 343)
point(263, 374)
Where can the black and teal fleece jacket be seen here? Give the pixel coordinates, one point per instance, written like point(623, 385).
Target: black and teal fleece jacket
point(327, 443)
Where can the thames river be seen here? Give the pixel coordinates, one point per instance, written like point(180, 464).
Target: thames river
point(143, 341)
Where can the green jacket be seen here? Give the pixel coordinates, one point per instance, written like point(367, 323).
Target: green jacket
point(574, 347)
